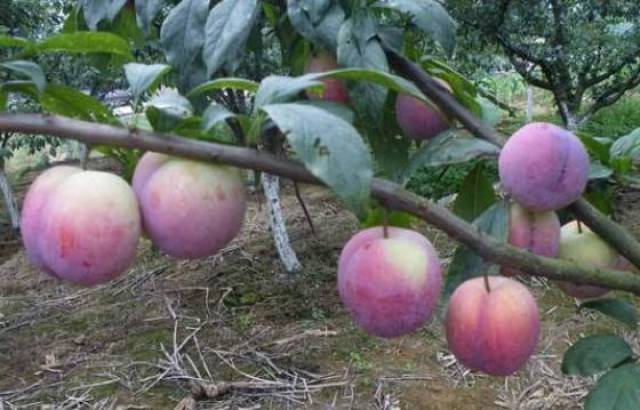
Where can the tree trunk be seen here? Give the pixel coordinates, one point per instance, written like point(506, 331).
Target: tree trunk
point(9, 199)
point(271, 186)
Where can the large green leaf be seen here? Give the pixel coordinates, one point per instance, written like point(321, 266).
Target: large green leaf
point(599, 171)
point(449, 148)
point(214, 115)
point(334, 108)
point(619, 389)
point(595, 354)
point(330, 148)
point(382, 78)
point(475, 195)
point(9, 41)
point(182, 33)
point(29, 69)
point(627, 146)
point(66, 101)
point(317, 20)
point(617, 309)
point(390, 148)
point(97, 10)
point(598, 147)
point(359, 46)
point(167, 109)
point(463, 89)
point(227, 30)
point(467, 264)
point(430, 16)
point(85, 42)
point(4, 99)
point(144, 77)
point(146, 10)
point(220, 83)
point(277, 89)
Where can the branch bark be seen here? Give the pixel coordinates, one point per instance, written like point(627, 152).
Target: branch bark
point(612, 232)
point(390, 194)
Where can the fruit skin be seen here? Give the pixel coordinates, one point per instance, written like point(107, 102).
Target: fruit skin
point(38, 196)
point(494, 332)
point(88, 228)
point(391, 286)
point(543, 167)
point(419, 120)
point(587, 250)
point(190, 209)
point(334, 90)
point(537, 232)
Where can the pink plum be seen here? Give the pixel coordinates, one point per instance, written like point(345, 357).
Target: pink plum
point(493, 332)
point(334, 90)
point(391, 285)
point(38, 195)
point(543, 167)
point(419, 120)
point(537, 232)
point(87, 229)
point(190, 209)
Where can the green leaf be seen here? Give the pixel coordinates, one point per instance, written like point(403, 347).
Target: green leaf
point(339, 158)
point(146, 10)
point(597, 147)
point(215, 114)
point(467, 264)
point(66, 101)
point(97, 10)
point(619, 389)
point(220, 83)
point(594, 354)
point(318, 21)
point(475, 196)
point(4, 99)
point(359, 46)
point(125, 26)
point(390, 148)
point(378, 215)
point(226, 32)
point(167, 109)
point(85, 42)
point(278, 89)
point(617, 309)
point(463, 89)
point(627, 146)
point(449, 148)
point(599, 171)
point(143, 77)
point(334, 108)
point(9, 41)
point(29, 69)
point(382, 78)
point(491, 114)
point(182, 33)
point(430, 16)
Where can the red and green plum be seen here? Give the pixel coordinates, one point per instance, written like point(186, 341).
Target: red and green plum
point(391, 285)
point(537, 232)
point(493, 332)
point(190, 209)
point(334, 90)
point(419, 120)
point(81, 226)
point(543, 167)
point(586, 249)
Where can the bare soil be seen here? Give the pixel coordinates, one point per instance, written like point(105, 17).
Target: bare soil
point(254, 336)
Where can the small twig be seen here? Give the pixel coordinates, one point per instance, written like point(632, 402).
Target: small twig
point(304, 208)
point(303, 335)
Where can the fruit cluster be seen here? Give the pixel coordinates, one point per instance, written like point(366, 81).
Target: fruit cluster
point(390, 279)
point(84, 226)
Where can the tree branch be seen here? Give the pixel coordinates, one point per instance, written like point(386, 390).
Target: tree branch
point(613, 233)
point(391, 195)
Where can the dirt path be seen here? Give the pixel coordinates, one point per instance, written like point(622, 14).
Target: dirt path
point(266, 339)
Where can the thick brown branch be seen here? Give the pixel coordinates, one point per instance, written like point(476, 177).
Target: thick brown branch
point(390, 194)
point(613, 233)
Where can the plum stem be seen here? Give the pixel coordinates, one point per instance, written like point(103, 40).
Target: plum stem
point(486, 282)
point(385, 224)
point(579, 226)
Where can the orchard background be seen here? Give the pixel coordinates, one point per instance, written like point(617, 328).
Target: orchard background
point(260, 324)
